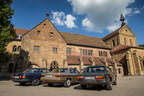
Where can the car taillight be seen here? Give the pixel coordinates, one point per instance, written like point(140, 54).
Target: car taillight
point(11, 76)
point(57, 75)
point(22, 76)
point(42, 75)
point(80, 77)
point(99, 77)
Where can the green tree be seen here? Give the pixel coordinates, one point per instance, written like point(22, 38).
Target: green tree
point(7, 33)
point(142, 45)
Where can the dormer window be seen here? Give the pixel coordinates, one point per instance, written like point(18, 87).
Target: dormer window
point(19, 36)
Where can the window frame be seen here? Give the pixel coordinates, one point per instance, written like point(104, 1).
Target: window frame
point(36, 48)
point(55, 50)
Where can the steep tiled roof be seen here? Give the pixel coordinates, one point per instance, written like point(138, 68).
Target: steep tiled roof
point(88, 60)
point(119, 48)
point(20, 30)
point(83, 40)
point(111, 34)
point(124, 47)
point(73, 59)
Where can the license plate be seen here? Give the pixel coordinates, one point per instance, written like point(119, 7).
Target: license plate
point(90, 78)
point(48, 76)
point(16, 77)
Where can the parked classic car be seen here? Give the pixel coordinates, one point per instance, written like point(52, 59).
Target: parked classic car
point(61, 76)
point(32, 75)
point(98, 75)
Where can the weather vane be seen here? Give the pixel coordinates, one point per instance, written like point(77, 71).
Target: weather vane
point(47, 15)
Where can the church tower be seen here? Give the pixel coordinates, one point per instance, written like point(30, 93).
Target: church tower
point(121, 36)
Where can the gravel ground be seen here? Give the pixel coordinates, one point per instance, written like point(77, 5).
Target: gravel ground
point(127, 86)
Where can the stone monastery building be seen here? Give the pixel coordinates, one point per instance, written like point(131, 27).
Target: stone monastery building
point(49, 48)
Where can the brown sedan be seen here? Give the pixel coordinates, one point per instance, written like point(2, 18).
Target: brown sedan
point(61, 76)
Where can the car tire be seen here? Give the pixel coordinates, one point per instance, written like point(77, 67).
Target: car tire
point(22, 83)
point(109, 86)
point(67, 83)
point(36, 82)
point(83, 86)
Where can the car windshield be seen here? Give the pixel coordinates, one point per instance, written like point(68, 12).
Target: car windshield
point(34, 70)
point(95, 69)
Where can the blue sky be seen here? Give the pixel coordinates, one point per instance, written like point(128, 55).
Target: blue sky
point(89, 17)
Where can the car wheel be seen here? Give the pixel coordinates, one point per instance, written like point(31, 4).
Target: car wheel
point(22, 83)
point(67, 83)
point(35, 82)
point(109, 86)
point(83, 86)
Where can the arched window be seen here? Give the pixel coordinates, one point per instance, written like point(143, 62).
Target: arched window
point(113, 43)
point(14, 48)
point(119, 70)
point(131, 44)
point(125, 41)
point(19, 48)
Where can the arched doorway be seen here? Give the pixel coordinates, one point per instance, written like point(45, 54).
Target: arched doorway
point(11, 68)
point(143, 65)
point(54, 65)
point(125, 66)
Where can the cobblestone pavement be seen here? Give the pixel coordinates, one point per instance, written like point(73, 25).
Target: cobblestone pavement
point(127, 86)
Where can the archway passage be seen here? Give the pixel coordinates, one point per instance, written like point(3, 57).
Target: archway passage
point(11, 68)
point(125, 66)
point(54, 65)
point(143, 65)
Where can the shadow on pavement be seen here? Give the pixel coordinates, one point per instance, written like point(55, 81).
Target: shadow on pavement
point(92, 88)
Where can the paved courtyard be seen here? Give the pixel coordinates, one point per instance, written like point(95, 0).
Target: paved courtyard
point(127, 86)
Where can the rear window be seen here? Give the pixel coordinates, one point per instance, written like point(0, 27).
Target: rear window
point(45, 70)
point(59, 70)
point(95, 69)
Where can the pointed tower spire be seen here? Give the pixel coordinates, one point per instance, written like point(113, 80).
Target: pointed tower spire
point(122, 19)
point(47, 15)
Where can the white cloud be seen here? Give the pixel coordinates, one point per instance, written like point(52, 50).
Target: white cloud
point(113, 27)
point(61, 19)
point(101, 14)
point(136, 11)
point(70, 21)
point(58, 18)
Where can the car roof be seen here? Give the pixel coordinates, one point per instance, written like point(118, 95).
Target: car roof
point(96, 66)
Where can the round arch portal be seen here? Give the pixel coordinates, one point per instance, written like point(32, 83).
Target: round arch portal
point(54, 65)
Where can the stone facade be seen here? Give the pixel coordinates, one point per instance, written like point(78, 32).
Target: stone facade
point(48, 48)
point(126, 51)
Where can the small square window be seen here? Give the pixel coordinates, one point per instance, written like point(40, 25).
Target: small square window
point(36, 48)
point(55, 50)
